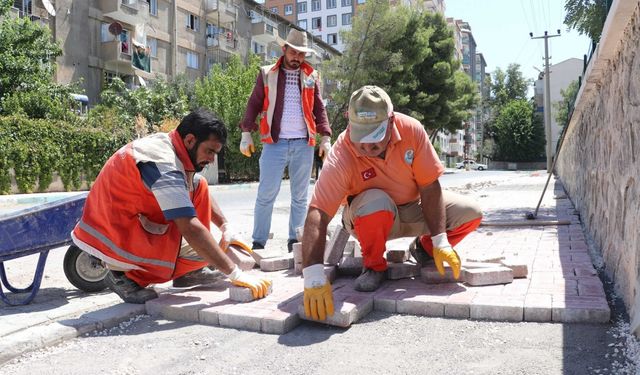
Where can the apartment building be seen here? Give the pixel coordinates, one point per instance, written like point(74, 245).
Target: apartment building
point(142, 40)
point(326, 18)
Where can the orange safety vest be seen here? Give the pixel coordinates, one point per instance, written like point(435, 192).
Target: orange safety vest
point(308, 78)
point(122, 222)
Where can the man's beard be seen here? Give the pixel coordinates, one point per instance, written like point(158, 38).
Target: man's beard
point(193, 156)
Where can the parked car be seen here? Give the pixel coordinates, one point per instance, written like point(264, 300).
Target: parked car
point(472, 165)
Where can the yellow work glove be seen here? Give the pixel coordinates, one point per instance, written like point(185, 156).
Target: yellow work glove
point(443, 252)
point(257, 285)
point(318, 296)
point(324, 147)
point(246, 144)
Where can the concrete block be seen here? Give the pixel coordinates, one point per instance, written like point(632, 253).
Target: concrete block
point(241, 257)
point(386, 299)
point(420, 304)
point(457, 305)
point(501, 308)
point(297, 258)
point(397, 256)
point(352, 248)
point(284, 262)
point(280, 322)
point(518, 266)
point(347, 310)
point(580, 309)
point(175, 307)
point(488, 276)
point(471, 265)
point(485, 258)
point(350, 266)
point(335, 247)
point(243, 317)
point(537, 308)
point(404, 270)
point(331, 272)
point(430, 275)
point(242, 294)
point(260, 254)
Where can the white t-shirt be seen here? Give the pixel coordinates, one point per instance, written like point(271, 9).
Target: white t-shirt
point(292, 124)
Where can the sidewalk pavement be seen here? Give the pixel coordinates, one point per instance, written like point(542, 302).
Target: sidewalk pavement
point(561, 286)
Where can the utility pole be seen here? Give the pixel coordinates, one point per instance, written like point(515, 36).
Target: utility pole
point(547, 96)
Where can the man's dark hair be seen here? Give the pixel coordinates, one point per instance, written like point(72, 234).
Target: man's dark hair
point(202, 124)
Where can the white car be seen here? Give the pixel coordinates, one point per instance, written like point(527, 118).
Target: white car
point(472, 165)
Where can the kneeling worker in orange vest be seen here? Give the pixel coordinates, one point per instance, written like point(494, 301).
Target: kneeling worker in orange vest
point(386, 171)
point(146, 199)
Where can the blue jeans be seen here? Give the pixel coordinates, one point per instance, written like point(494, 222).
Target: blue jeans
point(297, 155)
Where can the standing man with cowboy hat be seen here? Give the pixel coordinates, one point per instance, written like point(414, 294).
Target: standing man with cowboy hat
point(292, 114)
point(386, 170)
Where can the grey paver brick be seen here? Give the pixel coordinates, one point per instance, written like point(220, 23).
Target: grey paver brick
point(283, 262)
point(335, 247)
point(487, 276)
point(404, 270)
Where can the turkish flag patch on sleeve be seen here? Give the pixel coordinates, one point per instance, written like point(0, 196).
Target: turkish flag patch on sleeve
point(368, 174)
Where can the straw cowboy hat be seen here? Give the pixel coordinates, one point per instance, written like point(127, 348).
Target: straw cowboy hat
point(298, 40)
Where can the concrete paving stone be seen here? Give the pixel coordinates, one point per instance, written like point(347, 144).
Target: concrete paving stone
point(582, 309)
point(335, 247)
point(585, 271)
point(487, 290)
point(176, 307)
point(580, 257)
point(475, 264)
point(350, 266)
point(348, 309)
point(331, 272)
point(397, 256)
point(279, 322)
point(210, 315)
point(113, 315)
point(404, 270)
point(492, 257)
point(385, 299)
point(242, 294)
point(458, 305)
point(501, 308)
point(352, 248)
point(518, 266)
point(537, 307)
point(241, 257)
point(260, 254)
point(243, 317)
point(590, 287)
point(516, 289)
point(421, 304)
point(284, 262)
point(488, 276)
point(297, 258)
point(430, 275)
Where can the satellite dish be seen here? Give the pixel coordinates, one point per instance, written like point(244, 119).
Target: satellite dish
point(49, 7)
point(115, 28)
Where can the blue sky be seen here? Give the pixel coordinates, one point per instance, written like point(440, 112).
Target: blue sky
point(501, 31)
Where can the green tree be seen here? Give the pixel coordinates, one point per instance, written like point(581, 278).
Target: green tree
point(504, 87)
point(519, 134)
point(566, 104)
point(225, 91)
point(411, 55)
point(587, 16)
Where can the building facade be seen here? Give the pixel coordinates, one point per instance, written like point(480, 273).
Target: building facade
point(142, 40)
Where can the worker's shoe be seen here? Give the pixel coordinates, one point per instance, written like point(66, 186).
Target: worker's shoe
point(369, 280)
point(198, 277)
point(290, 244)
point(419, 253)
point(128, 289)
point(257, 246)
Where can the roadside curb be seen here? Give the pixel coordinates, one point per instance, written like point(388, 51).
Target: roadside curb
point(41, 336)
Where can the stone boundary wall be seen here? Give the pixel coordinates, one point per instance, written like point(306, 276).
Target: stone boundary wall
point(599, 162)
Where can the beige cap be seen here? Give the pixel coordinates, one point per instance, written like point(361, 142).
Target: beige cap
point(298, 40)
point(369, 111)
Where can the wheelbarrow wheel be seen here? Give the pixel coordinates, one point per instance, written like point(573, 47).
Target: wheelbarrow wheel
point(83, 270)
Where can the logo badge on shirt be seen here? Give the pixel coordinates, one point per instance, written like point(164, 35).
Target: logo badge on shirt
point(309, 82)
point(408, 157)
point(368, 174)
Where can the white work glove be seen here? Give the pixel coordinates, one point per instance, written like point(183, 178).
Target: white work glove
point(257, 285)
point(324, 147)
point(318, 295)
point(229, 235)
point(444, 252)
point(246, 144)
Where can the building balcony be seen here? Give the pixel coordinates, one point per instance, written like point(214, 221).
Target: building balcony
point(116, 57)
point(263, 33)
point(224, 43)
point(130, 12)
point(220, 11)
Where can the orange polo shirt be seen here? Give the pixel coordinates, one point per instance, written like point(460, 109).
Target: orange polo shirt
point(410, 162)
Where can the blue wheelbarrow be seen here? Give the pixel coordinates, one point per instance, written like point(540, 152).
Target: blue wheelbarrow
point(39, 229)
